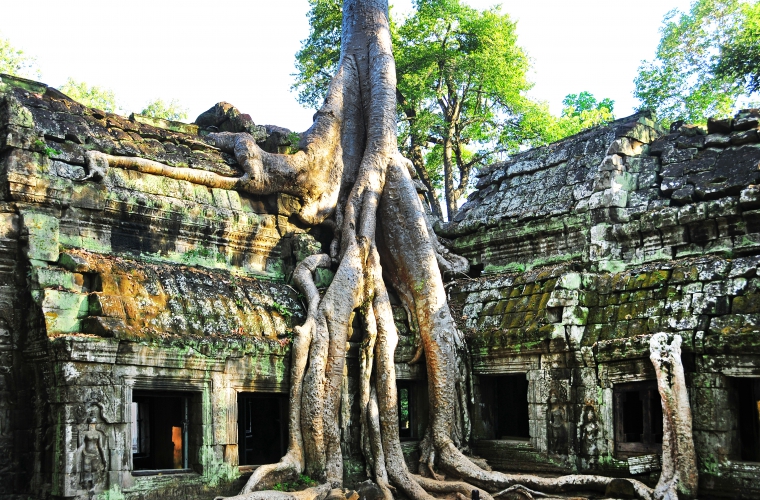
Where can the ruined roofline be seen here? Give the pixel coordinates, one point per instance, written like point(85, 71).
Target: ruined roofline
point(646, 117)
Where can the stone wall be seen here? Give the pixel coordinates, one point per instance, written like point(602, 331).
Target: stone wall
point(643, 232)
point(115, 283)
point(537, 208)
point(118, 282)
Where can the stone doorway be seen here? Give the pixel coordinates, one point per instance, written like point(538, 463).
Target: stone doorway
point(505, 405)
point(748, 399)
point(262, 427)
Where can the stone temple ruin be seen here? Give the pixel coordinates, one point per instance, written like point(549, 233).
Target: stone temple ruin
point(145, 322)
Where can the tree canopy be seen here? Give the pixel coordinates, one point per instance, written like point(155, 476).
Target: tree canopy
point(90, 95)
point(105, 99)
point(740, 56)
point(317, 60)
point(706, 61)
point(14, 62)
point(159, 108)
point(461, 88)
point(461, 85)
point(581, 111)
point(461, 91)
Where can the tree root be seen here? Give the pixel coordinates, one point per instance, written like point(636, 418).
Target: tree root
point(519, 492)
point(439, 486)
point(349, 173)
point(679, 477)
point(316, 493)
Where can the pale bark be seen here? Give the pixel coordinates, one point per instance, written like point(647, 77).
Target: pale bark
point(350, 176)
point(679, 477)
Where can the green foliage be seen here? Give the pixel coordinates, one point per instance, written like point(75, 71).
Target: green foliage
point(281, 309)
point(462, 79)
point(294, 138)
point(740, 55)
point(403, 405)
point(45, 149)
point(158, 108)
point(92, 96)
point(699, 70)
point(317, 60)
point(204, 253)
point(582, 111)
point(461, 90)
point(14, 62)
point(301, 483)
point(576, 104)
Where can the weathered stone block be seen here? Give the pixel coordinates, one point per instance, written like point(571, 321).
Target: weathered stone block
point(644, 464)
point(44, 277)
point(678, 155)
point(569, 281)
point(106, 305)
point(43, 236)
point(720, 140)
point(719, 125)
point(574, 315)
point(692, 213)
point(615, 197)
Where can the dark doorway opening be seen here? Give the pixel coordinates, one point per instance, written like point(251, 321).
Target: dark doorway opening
point(262, 427)
point(748, 397)
point(412, 405)
point(406, 410)
point(638, 418)
point(160, 430)
point(505, 405)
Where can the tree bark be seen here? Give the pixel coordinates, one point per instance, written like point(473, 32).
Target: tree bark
point(679, 477)
point(349, 173)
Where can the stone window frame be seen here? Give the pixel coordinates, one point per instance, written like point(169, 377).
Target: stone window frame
point(283, 403)
point(612, 373)
point(414, 377)
point(521, 364)
point(648, 445)
point(230, 395)
point(731, 366)
point(197, 391)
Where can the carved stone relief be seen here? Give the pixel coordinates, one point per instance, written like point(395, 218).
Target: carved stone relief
point(91, 456)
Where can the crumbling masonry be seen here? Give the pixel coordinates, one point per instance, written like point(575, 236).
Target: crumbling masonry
point(145, 322)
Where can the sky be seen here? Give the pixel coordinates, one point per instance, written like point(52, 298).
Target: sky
point(243, 52)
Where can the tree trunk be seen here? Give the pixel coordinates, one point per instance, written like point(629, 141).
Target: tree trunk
point(679, 478)
point(448, 176)
point(347, 172)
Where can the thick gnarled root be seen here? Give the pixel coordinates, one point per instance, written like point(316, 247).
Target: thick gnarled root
point(460, 487)
point(316, 493)
point(267, 476)
point(519, 492)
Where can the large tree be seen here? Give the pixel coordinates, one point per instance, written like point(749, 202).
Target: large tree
point(172, 110)
point(706, 61)
point(13, 61)
point(740, 55)
point(350, 177)
point(462, 83)
point(461, 89)
point(90, 95)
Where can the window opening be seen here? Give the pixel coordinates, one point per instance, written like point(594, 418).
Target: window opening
point(505, 405)
point(262, 427)
point(411, 404)
point(160, 424)
point(405, 410)
point(748, 396)
point(638, 418)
